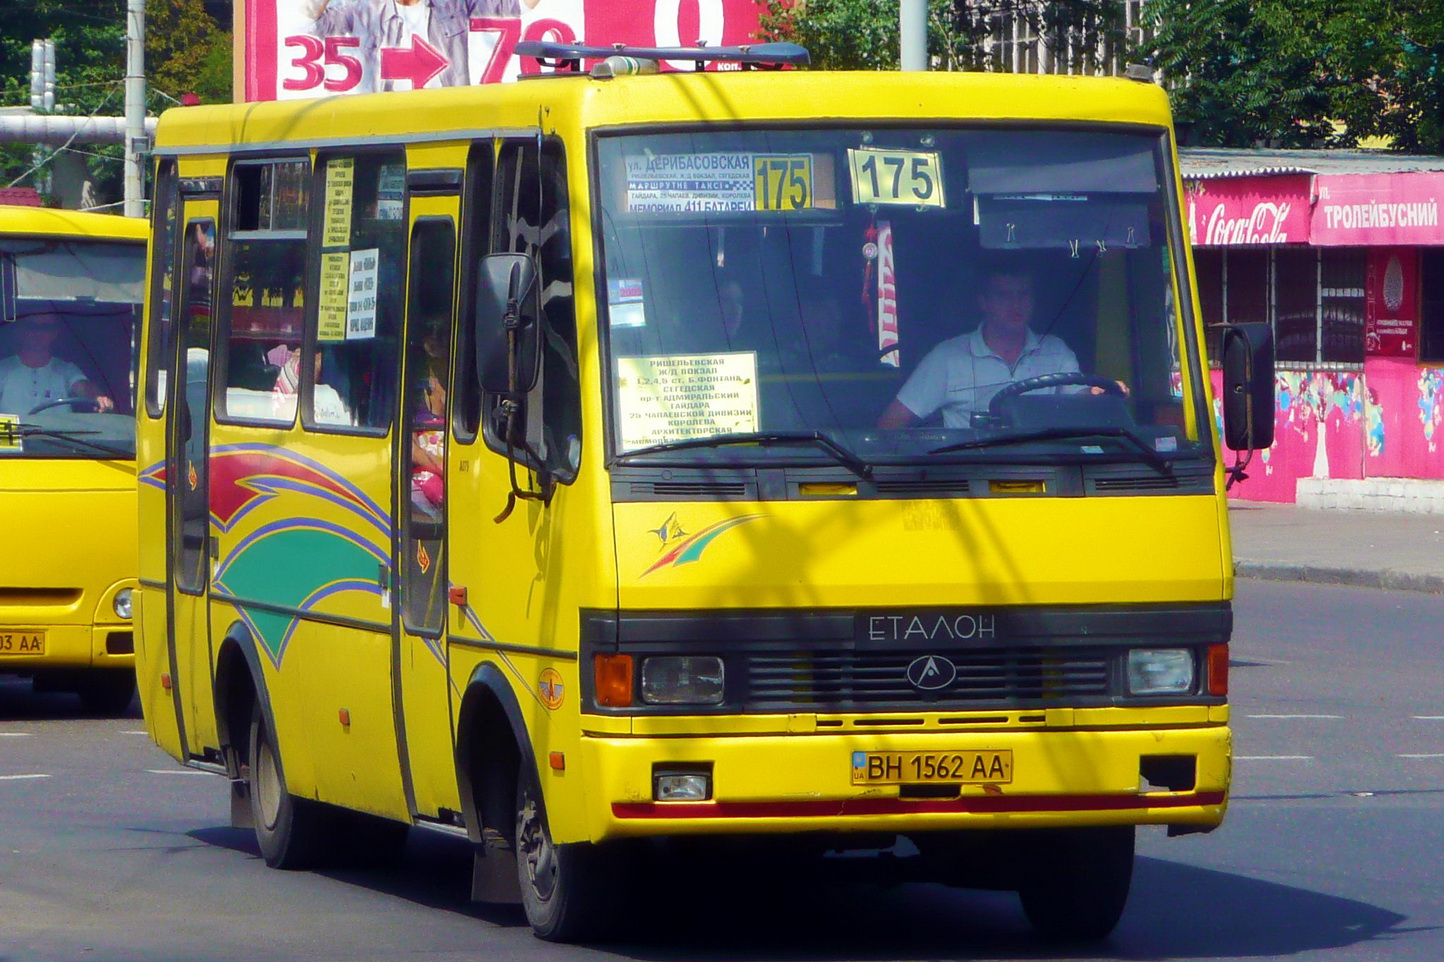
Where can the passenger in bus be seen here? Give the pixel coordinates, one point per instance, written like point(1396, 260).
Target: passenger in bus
point(428, 437)
point(832, 344)
point(961, 375)
point(34, 377)
point(327, 405)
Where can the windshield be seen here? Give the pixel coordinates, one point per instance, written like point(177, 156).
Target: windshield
point(68, 347)
point(914, 295)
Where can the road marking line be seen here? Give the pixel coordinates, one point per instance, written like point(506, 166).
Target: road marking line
point(15, 734)
point(172, 771)
point(1293, 716)
point(1429, 717)
point(1273, 758)
point(135, 732)
point(1434, 755)
point(17, 778)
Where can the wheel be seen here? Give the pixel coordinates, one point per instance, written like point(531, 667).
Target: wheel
point(570, 892)
point(1076, 882)
point(291, 832)
point(106, 691)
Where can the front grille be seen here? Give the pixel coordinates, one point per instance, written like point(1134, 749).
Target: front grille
point(689, 489)
point(935, 487)
point(840, 680)
point(1136, 484)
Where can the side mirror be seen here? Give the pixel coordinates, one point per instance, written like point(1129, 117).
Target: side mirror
point(1248, 386)
point(507, 302)
point(9, 285)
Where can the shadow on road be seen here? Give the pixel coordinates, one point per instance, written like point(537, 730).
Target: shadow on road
point(20, 702)
point(703, 911)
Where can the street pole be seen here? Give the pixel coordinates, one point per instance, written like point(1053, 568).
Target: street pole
point(134, 106)
point(913, 26)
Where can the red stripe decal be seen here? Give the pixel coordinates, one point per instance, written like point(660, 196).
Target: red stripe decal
point(981, 805)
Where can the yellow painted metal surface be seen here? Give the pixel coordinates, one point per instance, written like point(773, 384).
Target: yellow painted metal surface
point(70, 524)
point(994, 551)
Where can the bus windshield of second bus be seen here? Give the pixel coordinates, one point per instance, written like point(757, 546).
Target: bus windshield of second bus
point(68, 347)
point(840, 278)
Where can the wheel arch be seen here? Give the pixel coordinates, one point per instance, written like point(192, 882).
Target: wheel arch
point(491, 741)
point(239, 682)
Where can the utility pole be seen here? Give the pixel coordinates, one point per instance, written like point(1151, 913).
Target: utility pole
point(913, 26)
point(42, 97)
point(135, 136)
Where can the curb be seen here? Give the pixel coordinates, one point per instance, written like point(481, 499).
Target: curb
point(1352, 577)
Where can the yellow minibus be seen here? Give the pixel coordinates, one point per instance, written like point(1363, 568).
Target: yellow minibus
point(620, 456)
point(70, 301)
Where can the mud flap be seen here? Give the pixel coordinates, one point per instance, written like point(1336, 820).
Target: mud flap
point(241, 804)
point(493, 871)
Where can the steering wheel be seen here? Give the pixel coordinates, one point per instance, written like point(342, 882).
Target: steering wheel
point(86, 404)
point(1060, 379)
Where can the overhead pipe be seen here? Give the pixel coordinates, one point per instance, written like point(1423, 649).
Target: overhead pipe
point(56, 131)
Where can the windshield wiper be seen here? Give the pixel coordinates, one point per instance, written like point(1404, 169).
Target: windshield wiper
point(36, 431)
point(1155, 460)
point(843, 455)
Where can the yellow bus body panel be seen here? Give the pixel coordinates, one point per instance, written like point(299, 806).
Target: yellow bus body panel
point(70, 523)
point(994, 551)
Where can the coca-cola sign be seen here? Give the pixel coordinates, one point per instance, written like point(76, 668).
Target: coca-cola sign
point(1249, 210)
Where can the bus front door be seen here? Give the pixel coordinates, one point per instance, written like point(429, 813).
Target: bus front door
point(187, 491)
point(425, 694)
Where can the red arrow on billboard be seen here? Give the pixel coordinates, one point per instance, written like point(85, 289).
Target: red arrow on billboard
point(418, 65)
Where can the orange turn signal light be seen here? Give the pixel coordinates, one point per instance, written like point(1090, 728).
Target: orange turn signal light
point(613, 680)
point(1218, 669)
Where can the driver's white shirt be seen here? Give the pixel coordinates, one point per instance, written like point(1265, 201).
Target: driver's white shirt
point(23, 388)
point(962, 374)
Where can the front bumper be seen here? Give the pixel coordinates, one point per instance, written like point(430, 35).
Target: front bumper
point(791, 783)
point(73, 646)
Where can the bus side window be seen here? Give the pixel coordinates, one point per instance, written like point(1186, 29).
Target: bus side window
point(261, 292)
point(424, 406)
point(163, 289)
point(353, 355)
point(532, 217)
point(476, 232)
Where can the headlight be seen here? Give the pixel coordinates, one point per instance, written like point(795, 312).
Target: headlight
point(682, 680)
point(1160, 671)
point(122, 604)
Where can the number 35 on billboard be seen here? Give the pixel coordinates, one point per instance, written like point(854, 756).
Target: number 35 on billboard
point(290, 49)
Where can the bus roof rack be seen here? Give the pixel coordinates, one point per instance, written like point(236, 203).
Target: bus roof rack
point(764, 56)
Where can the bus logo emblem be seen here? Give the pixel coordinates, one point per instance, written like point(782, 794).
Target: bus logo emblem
point(550, 688)
point(931, 673)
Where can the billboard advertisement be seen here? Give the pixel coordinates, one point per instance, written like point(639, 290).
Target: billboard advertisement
point(292, 49)
point(1249, 210)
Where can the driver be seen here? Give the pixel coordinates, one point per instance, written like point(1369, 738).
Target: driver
point(961, 375)
point(35, 376)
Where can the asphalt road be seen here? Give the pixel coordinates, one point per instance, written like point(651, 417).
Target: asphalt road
point(109, 851)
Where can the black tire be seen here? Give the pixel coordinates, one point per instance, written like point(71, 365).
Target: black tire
point(571, 893)
point(292, 833)
point(1076, 882)
point(106, 691)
